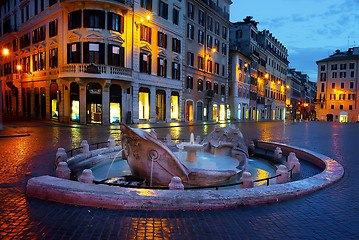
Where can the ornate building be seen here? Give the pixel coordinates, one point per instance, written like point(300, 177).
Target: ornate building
point(93, 61)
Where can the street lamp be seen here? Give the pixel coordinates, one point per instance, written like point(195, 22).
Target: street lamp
point(5, 51)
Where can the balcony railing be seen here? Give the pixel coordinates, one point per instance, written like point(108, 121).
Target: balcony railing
point(126, 2)
point(102, 70)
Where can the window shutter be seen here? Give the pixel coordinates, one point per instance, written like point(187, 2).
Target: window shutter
point(102, 53)
point(122, 22)
point(178, 72)
point(179, 46)
point(68, 53)
point(110, 55)
point(159, 40)
point(149, 62)
point(173, 44)
point(142, 27)
point(165, 44)
point(149, 34)
point(149, 5)
point(122, 57)
point(141, 62)
point(165, 68)
point(86, 52)
point(158, 67)
point(109, 20)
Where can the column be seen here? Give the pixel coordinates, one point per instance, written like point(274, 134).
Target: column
point(135, 98)
point(65, 99)
point(82, 98)
point(152, 104)
point(168, 105)
point(106, 103)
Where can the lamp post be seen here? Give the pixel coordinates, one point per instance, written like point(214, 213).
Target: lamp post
point(5, 52)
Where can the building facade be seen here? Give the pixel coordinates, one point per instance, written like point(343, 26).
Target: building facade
point(206, 66)
point(93, 62)
point(337, 87)
point(267, 69)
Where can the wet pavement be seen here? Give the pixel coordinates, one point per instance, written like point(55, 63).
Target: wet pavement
point(28, 148)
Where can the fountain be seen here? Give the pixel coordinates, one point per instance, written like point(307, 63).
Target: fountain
point(149, 159)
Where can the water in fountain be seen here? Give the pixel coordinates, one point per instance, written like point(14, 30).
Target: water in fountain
point(117, 154)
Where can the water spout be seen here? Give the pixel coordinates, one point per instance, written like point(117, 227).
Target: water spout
point(191, 138)
point(118, 153)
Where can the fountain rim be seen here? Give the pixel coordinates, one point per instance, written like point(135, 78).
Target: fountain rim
point(77, 193)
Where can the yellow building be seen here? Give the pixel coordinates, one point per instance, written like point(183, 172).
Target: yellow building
point(337, 87)
point(93, 61)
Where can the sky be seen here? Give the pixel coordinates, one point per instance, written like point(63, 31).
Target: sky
point(310, 30)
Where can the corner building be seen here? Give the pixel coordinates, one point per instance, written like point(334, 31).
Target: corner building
point(93, 61)
point(337, 87)
point(206, 65)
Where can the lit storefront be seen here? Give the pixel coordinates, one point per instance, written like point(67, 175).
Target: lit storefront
point(144, 104)
point(174, 106)
point(54, 101)
point(94, 103)
point(189, 111)
point(160, 105)
point(115, 103)
point(215, 112)
point(222, 112)
point(75, 103)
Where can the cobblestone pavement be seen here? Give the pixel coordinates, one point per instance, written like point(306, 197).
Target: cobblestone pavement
point(332, 213)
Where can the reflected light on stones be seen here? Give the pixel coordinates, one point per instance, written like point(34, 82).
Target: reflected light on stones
point(146, 192)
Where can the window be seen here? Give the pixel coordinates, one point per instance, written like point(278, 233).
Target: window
point(334, 96)
point(200, 37)
point(223, 90)
point(52, 2)
point(342, 85)
point(350, 97)
point(332, 106)
point(75, 19)
point(163, 10)
point(350, 107)
point(200, 62)
point(147, 4)
point(161, 67)
point(216, 45)
point(351, 65)
point(116, 55)
point(343, 66)
point(239, 33)
point(216, 68)
point(190, 12)
point(201, 18)
point(189, 82)
point(42, 5)
point(334, 74)
point(93, 53)
point(322, 88)
point(190, 31)
point(209, 41)
point(351, 85)
point(175, 16)
point(208, 85)
point(209, 65)
point(176, 71)
point(53, 62)
point(215, 88)
point(145, 34)
point(223, 70)
point(39, 61)
point(224, 49)
point(224, 32)
point(200, 85)
point(343, 74)
point(53, 28)
point(15, 46)
point(341, 107)
point(190, 59)
point(176, 45)
point(351, 74)
point(74, 53)
point(115, 22)
point(25, 40)
point(210, 23)
point(162, 40)
point(323, 76)
point(216, 28)
point(145, 63)
point(94, 19)
point(334, 66)
point(36, 7)
point(322, 68)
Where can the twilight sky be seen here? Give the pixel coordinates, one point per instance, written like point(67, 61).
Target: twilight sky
point(310, 30)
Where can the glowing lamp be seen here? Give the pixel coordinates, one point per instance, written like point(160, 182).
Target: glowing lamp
point(214, 50)
point(267, 75)
point(245, 64)
point(288, 87)
point(278, 82)
point(148, 17)
point(19, 67)
point(5, 51)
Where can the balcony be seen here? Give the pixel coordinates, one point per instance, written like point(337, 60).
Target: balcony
point(124, 2)
point(95, 71)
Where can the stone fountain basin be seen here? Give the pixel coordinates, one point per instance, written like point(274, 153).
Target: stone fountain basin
point(77, 193)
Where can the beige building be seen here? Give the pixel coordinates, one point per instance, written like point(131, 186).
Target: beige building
point(206, 66)
point(93, 61)
point(337, 87)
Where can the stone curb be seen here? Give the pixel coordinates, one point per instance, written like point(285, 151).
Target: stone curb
point(77, 193)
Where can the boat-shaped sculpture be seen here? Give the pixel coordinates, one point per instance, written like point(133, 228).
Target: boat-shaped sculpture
point(150, 158)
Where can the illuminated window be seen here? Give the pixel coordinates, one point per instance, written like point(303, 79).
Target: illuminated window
point(175, 106)
point(222, 112)
point(144, 106)
point(215, 112)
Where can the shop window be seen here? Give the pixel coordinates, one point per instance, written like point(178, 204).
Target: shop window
point(116, 55)
point(75, 102)
point(75, 19)
point(115, 103)
point(160, 105)
point(175, 106)
point(115, 22)
point(144, 104)
point(94, 19)
point(93, 53)
point(94, 103)
point(215, 112)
